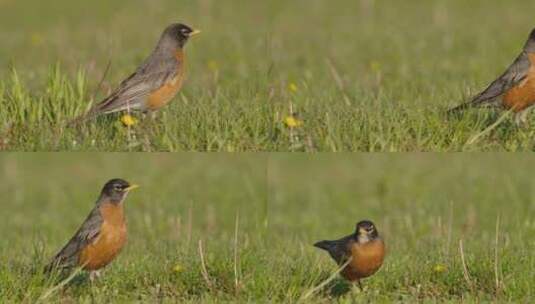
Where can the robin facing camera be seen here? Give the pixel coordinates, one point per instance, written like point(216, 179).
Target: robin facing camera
point(362, 251)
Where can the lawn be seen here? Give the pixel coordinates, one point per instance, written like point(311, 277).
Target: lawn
point(257, 217)
point(358, 75)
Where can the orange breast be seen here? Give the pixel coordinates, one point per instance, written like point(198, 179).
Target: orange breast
point(109, 242)
point(522, 96)
point(367, 259)
point(166, 93)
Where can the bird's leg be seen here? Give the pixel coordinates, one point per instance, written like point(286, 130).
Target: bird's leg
point(360, 285)
point(521, 118)
point(149, 116)
point(94, 275)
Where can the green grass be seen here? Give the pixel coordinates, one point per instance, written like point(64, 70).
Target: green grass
point(423, 205)
point(370, 75)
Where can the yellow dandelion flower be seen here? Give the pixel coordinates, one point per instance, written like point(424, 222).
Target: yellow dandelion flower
point(178, 268)
point(375, 66)
point(36, 39)
point(439, 268)
point(292, 122)
point(292, 87)
point(212, 65)
point(128, 120)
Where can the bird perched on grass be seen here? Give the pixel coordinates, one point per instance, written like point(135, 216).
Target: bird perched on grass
point(362, 252)
point(102, 235)
point(155, 82)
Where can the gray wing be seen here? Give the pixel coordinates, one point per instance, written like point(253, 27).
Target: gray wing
point(512, 77)
point(150, 76)
point(67, 257)
point(341, 249)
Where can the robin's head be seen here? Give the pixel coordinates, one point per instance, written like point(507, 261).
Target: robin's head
point(366, 231)
point(116, 190)
point(530, 44)
point(177, 34)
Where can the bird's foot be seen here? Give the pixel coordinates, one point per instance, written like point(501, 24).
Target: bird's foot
point(149, 115)
point(94, 275)
point(521, 118)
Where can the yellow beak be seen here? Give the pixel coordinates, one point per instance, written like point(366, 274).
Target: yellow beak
point(132, 187)
point(195, 32)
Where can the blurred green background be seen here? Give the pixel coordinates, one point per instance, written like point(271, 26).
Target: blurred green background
point(242, 36)
point(292, 36)
point(49, 194)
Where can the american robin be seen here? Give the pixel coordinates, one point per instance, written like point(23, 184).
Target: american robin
point(101, 237)
point(155, 82)
point(514, 90)
point(365, 248)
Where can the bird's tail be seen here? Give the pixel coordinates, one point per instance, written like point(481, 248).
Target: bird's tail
point(84, 117)
point(325, 245)
point(58, 264)
point(50, 267)
point(459, 108)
